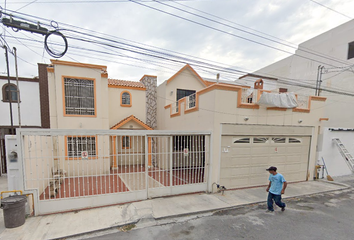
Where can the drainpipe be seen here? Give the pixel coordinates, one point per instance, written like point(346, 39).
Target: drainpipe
point(8, 81)
point(18, 90)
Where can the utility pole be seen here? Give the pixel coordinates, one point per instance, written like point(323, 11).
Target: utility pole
point(18, 90)
point(9, 93)
point(320, 81)
point(318, 72)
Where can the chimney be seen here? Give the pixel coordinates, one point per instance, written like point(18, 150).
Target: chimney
point(282, 90)
point(258, 84)
point(150, 83)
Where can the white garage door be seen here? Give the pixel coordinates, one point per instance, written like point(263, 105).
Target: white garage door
point(244, 159)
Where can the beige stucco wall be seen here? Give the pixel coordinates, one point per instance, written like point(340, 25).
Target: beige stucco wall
point(161, 103)
point(56, 101)
point(167, 92)
point(118, 113)
point(220, 106)
point(184, 80)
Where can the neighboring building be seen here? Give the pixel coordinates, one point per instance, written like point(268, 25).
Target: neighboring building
point(29, 103)
point(30, 115)
point(247, 138)
point(333, 52)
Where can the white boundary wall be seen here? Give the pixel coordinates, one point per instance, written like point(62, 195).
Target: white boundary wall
point(335, 163)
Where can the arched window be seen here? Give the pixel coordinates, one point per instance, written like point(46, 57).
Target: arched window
point(9, 91)
point(126, 99)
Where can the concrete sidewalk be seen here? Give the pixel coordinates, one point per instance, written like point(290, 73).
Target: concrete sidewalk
point(85, 221)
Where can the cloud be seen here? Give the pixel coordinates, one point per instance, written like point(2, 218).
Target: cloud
point(294, 21)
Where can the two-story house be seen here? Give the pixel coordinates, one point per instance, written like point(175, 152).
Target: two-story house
point(247, 137)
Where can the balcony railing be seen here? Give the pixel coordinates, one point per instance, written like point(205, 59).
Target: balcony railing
point(249, 95)
point(302, 101)
point(190, 101)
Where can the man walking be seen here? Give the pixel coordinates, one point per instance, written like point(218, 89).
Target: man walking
point(275, 189)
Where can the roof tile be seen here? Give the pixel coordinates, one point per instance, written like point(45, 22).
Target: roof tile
point(123, 83)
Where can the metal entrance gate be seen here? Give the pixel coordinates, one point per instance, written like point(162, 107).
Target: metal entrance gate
point(75, 169)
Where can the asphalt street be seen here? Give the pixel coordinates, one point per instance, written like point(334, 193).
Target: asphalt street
point(325, 216)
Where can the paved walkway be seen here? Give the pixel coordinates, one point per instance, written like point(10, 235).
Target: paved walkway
point(76, 223)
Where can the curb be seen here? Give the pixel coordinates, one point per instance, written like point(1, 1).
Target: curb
point(345, 186)
point(95, 231)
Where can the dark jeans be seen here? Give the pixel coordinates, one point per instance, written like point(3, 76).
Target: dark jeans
point(277, 200)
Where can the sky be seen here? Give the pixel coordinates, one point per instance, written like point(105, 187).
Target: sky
point(138, 37)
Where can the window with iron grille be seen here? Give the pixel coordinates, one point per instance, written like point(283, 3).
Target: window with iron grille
point(79, 96)
point(9, 91)
point(76, 145)
point(125, 98)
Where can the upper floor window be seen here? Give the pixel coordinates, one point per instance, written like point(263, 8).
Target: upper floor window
point(350, 50)
point(79, 96)
point(9, 91)
point(126, 99)
point(181, 93)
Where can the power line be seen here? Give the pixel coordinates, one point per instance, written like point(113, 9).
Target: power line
point(97, 33)
point(266, 34)
point(199, 64)
point(27, 5)
point(331, 9)
point(96, 1)
point(164, 56)
point(228, 33)
point(253, 34)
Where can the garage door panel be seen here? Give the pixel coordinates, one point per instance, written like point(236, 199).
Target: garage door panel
point(240, 171)
point(264, 160)
point(245, 164)
point(226, 182)
point(239, 182)
point(226, 140)
point(297, 149)
point(225, 172)
point(260, 150)
point(240, 151)
point(237, 161)
point(258, 181)
point(276, 160)
point(259, 170)
point(278, 150)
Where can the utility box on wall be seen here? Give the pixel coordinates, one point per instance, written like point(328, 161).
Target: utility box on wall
point(14, 166)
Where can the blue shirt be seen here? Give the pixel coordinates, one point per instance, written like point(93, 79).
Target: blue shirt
point(276, 183)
